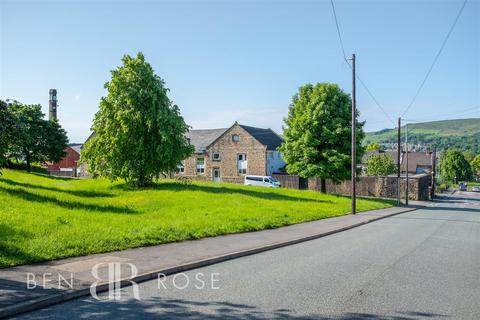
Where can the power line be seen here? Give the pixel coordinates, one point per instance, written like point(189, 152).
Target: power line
point(339, 33)
point(356, 74)
point(458, 112)
point(436, 58)
point(374, 99)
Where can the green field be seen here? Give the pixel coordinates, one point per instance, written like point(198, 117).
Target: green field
point(463, 134)
point(44, 218)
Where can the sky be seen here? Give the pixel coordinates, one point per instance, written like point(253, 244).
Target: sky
point(227, 61)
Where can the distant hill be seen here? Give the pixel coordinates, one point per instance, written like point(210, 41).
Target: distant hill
point(463, 134)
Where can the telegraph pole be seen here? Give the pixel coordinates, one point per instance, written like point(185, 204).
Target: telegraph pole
point(399, 150)
point(406, 168)
point(354, 138)
point(434, 172)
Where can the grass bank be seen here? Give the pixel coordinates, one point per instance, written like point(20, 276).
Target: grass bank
point(45, 218)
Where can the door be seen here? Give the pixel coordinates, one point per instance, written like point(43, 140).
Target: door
point(216, 174)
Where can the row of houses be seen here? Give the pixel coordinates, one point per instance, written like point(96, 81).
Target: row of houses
point(225, 154)
point(228, 154)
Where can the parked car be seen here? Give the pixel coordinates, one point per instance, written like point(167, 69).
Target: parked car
point(476, 189)
point(462, 187)
point(262, 181)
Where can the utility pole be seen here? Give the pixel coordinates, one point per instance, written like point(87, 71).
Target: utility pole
point(406, 167)
point(354, 138)
point(399, 150)
point(434, 172)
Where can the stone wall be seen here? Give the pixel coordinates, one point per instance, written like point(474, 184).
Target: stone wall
point(291, 181)
point(383, 187)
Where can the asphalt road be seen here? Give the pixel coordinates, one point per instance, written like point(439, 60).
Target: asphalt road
point(419, 265)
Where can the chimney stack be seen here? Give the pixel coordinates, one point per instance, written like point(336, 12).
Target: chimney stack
point(52, 105)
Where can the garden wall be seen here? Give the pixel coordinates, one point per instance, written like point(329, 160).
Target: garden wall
point(380, 187)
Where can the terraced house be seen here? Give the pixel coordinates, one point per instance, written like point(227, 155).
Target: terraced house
point(227, 154)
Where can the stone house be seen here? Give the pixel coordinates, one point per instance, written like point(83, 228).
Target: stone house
point(418, 162)
point(228, 154)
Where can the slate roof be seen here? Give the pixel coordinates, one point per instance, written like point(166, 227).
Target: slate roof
point(265, 136)
point(201, 139)
point(76, 146)
point(416, 159)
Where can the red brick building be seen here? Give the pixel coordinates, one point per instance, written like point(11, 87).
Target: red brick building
point(68, 165)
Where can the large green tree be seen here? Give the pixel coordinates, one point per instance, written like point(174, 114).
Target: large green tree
point(139, 132)
point(7, 124)
point(36, 139)
point(454, 167)
point(475, 164)
point(318, 134)
point(380, 165)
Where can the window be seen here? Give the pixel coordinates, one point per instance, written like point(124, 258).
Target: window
point(200, 165)
point(216, 156)
point(180, 168)
point(242, 163)
point(270, 154)
point(235, 138)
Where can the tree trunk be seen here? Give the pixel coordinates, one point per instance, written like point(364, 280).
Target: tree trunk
point(27, 159)
point(323, 185)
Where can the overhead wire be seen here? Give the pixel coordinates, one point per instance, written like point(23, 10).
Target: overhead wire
point(356, 74)
point(435, 59)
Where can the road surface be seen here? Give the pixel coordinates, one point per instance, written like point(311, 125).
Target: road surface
point(419, 265)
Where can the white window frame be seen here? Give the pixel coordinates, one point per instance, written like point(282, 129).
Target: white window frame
point(242, 165)
point(181, 168)
point(214, 154)
point(235, 137)
point(200, 168)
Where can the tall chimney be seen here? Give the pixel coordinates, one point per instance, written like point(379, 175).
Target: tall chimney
point(52, 105)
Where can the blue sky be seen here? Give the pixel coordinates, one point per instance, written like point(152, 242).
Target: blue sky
point(242, 60)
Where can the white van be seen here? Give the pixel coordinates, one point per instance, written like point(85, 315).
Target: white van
point(261, 181)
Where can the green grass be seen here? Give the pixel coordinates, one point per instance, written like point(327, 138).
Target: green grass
point(45, 218)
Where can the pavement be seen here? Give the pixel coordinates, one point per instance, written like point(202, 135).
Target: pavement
point(423, 264)
point(29, 287)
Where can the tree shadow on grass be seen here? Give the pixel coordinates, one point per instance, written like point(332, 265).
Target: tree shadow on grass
point(164, 308)
point(47, 176)
point(74, 205)
point(179, 187)
point(78, 193)
point(9, 250)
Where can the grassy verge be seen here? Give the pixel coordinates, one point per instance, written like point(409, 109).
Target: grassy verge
point(45, 218)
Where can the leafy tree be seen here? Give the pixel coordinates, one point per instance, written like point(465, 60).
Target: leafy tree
point(318, 134)
point(468, 155)
point(475, 164)
point(380, 165)
point(373, 147)
point(139, 132)
point(454, 167)
point(36, 139)
point(6, 131)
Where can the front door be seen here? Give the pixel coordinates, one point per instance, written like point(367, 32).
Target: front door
point(216, 174)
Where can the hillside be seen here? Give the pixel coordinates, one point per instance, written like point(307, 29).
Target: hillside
point(463, 134)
